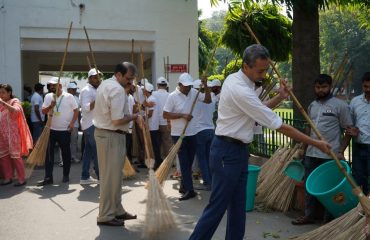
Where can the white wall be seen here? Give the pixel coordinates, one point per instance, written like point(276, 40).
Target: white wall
point(163, 28)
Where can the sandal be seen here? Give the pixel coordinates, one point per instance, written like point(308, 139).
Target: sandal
point(303, 221)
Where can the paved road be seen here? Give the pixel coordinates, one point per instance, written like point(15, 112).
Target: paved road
point(68, 211)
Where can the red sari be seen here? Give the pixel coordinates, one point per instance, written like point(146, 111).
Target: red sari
point(15, 138)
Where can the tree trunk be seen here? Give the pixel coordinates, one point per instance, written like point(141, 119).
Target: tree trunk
point(306, 54)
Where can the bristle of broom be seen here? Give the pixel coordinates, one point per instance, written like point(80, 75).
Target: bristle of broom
point(334, 228)
point(128, 170)
point(276, 190)
point(37, 156)
point(159, 216)
point(164, 169)
point(364, 201)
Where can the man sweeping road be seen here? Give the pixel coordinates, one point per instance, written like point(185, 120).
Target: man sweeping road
point(111, 120)
point(239, 108)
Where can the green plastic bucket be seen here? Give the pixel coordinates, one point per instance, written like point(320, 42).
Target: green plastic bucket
point(328, 184)
point(251, 186)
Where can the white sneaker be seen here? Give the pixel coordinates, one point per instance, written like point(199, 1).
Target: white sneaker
point(88, 181)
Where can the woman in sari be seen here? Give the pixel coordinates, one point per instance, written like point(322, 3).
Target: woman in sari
point(15, 137)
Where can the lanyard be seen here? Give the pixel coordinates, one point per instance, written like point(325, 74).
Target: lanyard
point(58, 104)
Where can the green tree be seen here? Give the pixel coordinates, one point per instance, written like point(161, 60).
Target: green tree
point(205, 46)
point(342, 31)
point(305, 52)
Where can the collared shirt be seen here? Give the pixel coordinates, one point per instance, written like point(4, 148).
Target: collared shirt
point(203, 114)
point(177, 102)
point(36, 99)
point(330, 117)
point(87, 95)
point(111, 104)
point(161, 95)
point(360, 112)
point(154, 119)
point(63, 110)
point(240, 108)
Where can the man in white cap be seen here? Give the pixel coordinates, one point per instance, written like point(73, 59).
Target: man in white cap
point(164, 129)
point(153, 122)
point(87, 101)
point(203, 116)
point(72, 89)
point(63, 109)
point(177, 109)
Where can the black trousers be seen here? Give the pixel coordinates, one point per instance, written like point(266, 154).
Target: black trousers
point(63, 138)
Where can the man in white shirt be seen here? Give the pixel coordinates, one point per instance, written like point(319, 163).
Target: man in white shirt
point(177, 109)
point(87, 101)
point(72, 89)
point(37, 117)
point(239, 109)
point(164, 129)
point(63, 110)
point(153, 122)
point(132, 109)
point(111, 120)
point(203, 114)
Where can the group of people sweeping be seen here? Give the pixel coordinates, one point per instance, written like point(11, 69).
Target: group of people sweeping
point(111, 110)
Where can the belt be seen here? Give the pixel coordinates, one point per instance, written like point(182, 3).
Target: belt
point(116, 131)
point(231, 140)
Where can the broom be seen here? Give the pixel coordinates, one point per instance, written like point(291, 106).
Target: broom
point(127, 170)
point(351, 225)
point(163, 171)
point(37, 156)
point(365, 202)
point(159, 216)
point(277, 190)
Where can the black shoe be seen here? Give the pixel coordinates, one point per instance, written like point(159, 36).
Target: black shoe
point(141, 165)
point(65, 179)
point(188, 195)
point(182, 190)
point(6, 182)
point(46, 181)
point(126, 216)
point(18, 184)
point(114, 222)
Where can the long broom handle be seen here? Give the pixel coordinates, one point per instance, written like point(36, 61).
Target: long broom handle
point(64, 58)
point(189, 56)
point(132, 50)
point(88, 62)
point(308, 119)
point(91, 53)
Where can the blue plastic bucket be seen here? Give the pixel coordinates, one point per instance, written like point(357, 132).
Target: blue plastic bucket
point(328, 184)
point(251, 186)
point(295, 170)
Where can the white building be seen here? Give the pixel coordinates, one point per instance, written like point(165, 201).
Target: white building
point(33, 36)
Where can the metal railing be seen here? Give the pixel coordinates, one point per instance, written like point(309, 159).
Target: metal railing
point(267, 143)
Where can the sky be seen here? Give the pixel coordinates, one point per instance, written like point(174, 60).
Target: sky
point(207, 10)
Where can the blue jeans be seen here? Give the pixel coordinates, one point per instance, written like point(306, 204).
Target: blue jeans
point(361, 165)
point(186, 157)
point(89, 154)
point(229, 168)
point(204, 140)
point(63, 138)
point(37, 128)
